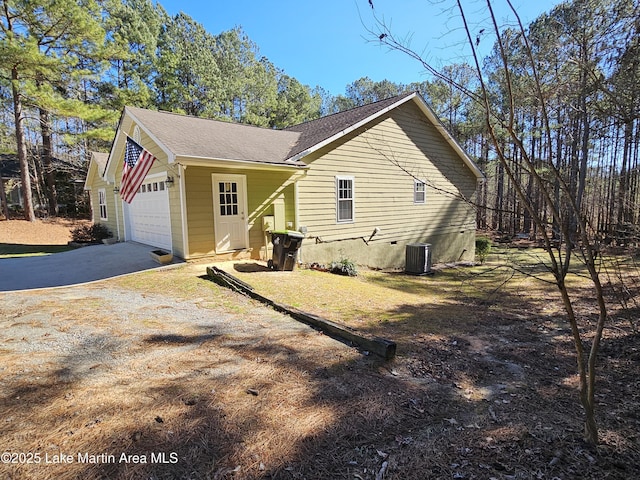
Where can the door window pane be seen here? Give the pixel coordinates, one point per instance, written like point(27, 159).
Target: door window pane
point(228, 198)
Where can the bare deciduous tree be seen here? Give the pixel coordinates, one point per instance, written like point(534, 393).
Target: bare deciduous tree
point(551, 194)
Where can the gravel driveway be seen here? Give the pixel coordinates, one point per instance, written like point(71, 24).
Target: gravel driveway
point(106, 368)
point(84, 325)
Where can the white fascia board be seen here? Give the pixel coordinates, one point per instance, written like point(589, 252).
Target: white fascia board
point(188, 160)
point(426, 109)
point(429, 114)
point(105, 174)
point(170, 155)
point(110, 170)
point(349, 129)
point(90, 174)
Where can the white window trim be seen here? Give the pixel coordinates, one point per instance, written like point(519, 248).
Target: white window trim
point(353, 198)
point(102, 202)
point(423, 192)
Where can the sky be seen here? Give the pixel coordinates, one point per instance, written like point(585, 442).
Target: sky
point(326, 43)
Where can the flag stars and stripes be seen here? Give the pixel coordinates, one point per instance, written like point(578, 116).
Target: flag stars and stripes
point(137, 163)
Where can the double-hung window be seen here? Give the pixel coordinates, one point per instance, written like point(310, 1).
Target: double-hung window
point(419, 192)
point(344, 199)
point(102, 203)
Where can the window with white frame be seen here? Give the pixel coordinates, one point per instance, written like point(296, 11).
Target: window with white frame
point(344, 199)
point(419, 192)
point(102, 202)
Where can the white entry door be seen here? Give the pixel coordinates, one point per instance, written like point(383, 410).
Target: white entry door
point(229, 212)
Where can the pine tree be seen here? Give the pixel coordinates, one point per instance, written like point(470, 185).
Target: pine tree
point(41, 43)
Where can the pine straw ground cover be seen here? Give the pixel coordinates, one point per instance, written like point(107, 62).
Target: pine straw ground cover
point(41, 237)
point(168, 366)
point(487, 366)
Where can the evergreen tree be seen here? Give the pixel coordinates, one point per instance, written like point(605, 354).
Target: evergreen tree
point(132, 27)
point(187, 79)
point(41, 42)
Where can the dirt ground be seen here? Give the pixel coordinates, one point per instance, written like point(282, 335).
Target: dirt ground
point(51, 232)
point(166, 375)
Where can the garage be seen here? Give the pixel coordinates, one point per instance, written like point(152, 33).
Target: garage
point(147, 217)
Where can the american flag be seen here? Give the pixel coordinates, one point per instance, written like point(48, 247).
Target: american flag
point(137, 162)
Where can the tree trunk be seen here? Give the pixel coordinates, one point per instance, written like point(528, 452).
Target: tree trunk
point(21, 143)
point(47, 164)
point(499, 200)
point(586, 375)
point(37, 181)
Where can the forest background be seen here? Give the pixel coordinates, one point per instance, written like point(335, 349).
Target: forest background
point(69, 67)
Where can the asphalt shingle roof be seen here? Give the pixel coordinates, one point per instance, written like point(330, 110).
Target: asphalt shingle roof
point(9, 166)
point(205, 138)
point(317, 131)
point(101, 159)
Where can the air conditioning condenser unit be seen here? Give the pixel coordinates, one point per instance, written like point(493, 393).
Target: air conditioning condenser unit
point(418, 259)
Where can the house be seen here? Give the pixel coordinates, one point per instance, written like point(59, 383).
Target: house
point(360, 184)
point(68, 172)
point(10, 182)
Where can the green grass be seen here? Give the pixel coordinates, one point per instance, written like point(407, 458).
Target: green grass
point(10, 250)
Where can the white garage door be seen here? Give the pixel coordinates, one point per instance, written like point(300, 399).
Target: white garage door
point(148, 215)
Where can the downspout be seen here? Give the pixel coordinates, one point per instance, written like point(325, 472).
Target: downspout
point(116, 192)
point(296, 205)
point(183, 209)
point(296, 212)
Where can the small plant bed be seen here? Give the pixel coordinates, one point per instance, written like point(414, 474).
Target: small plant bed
point(161, 256)
point(87, 234)
point(344, 267)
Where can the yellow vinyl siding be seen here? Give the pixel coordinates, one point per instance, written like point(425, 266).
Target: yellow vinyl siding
point(263, 188)
point(199, 201)
point(110, 222)
point(175, 209)
point(161, 165)
point(384, 158)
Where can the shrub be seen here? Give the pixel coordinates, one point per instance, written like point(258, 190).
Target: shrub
point(344, 267)
point(483, 248)
point(90, 233)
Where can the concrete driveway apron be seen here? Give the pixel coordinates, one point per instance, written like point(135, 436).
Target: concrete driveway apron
point(86, 264)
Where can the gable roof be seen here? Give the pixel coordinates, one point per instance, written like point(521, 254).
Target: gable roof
point(100, 159)
point(207, 139)
point(97, 166)
point(9, 165)
point(316, 132)
point(188, 136)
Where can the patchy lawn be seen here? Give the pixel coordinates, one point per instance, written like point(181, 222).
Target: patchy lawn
point(168, 366)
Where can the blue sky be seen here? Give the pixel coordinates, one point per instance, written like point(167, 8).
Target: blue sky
point(326, 42)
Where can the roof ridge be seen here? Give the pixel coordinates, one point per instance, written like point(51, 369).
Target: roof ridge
point(209, 119)
point(352, 109)
point(316, 132)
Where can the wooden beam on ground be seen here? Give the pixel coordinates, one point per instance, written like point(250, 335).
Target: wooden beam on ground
point(379, 346)
point(227, 280)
